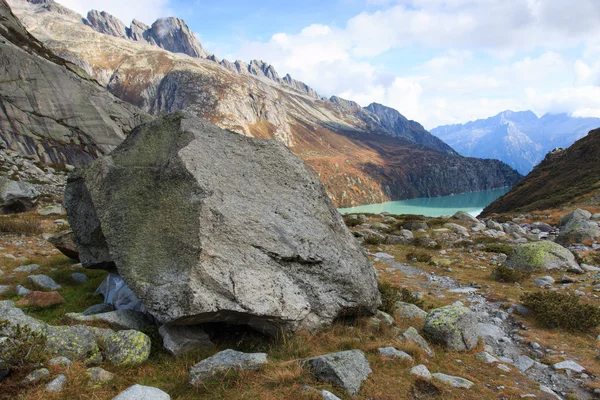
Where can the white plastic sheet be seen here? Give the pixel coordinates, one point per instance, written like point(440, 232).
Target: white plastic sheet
point(117, 293)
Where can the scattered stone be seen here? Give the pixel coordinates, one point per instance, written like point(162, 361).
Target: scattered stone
point(179, 339)
point(461, 230)
point(98, 309)
point(27, 268)
point(74, 342)
point(487, 357)
point(347, 369)
point(463, 216)
point(411, 334)
point(544, 255)
point(503, 367)
point(408, 310)
point(576, 215)
point(127, 348)
point(119, 319)
point(57, 384)
point(36, 376)
point(567, 279)
point(380, 317)
point(99, 375)
point(453, 326)
point(494, 225)
point(421, 371)
point(79, 277)
point(523, 363)
point(222, 362)
point(41, 299)
point(569, 365)
point(60, 362)
point(4, 288)
point(543, 281)
point(391, 352)
point(383, 256)
point(15, 316)
point(65, 243)
point(43, 282)
point(139, 392)
point(55, 209)
point(453, 381)
point(22, 290)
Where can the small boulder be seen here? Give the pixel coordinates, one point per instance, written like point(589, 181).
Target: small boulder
point(57, 384)
point(43, 282)
point(578, 231)
point(41, 299)
point(543, 281)
point(544, 256)
point(463, 216)
point(139, 392)
point(222, 362)
point(570, 365)
point(17, 196)
point(65, 243)
point(412, 335)
point(54, 209)
point(79, 277)
point(119, 319)
point(98, 375)
point(179, 339)
point(420, 371)
point(36, 376)
point(27, 268)
point(22, 290)
point(392, 352)
point(486, 357)
point(347, 369)
point(523, 363)
point(453, 381)
point(415, 226)
point(408, 310)
point(459, 229)
point(127, 348)
point(494, 225)
point(453, 326)
point(74, 342)
point(60, 362)
point(576, 215)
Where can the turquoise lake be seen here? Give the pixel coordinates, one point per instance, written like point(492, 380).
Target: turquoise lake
point(473, 203)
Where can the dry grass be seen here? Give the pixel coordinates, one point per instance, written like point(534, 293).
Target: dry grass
point(21, 224)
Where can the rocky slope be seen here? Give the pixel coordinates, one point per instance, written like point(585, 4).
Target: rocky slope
point(362, 155)
point(563, 177)
point(520, 139)
point(50, 107)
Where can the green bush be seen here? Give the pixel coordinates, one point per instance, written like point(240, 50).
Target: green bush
point(419, 255)
point(373, 240)
point(504, 274)
point(23, 347)
point(390, 294)
point(351, 222)
point(498, 248)
point(558, 310)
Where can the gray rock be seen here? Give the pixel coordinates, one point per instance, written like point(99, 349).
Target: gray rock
point(22, 290)
point(461, 230)
point(60, 362)
point(65, 243)
point(578, 231)
point(139, 392)
point(503, 367)
point(421, 371)
point(119, 319)
point(490, 333)
point(463, 216)
point(4, 288)
point(74, 342)
point(391, 352)
point(570, 365)
point(412, 335)
point(57, 384)
point(408, 310)
point(101, 334)
point(79, 277)
point(55, 209)
point(347, 369)
point(544, 256)
point(98, 309)
point(36, 376)
point(16, 196)
point(182, 276)
point(382, 317)
point(523, 363)
point(596, 217)
point(222, 362)
point(98, 375)
point(487, 357)
point(127, 348)
point(43, 282)
point(453, 326)
point(543, 281)
point(27, 268)
point(576, 215)
point(494, 225)
point(178, 340)
point(15, 316)
point(567, 279)
point(453, 381)
point(415, 226)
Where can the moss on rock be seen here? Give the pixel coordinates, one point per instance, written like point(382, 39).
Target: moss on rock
point(127, 348)
point(544, 255)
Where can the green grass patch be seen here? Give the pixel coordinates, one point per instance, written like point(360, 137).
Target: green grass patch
point(498, 248)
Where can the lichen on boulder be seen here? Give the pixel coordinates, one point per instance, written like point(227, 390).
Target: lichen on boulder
point(544, 255)
point(452, 326)
point(127, 348)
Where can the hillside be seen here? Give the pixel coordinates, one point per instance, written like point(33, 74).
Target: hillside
point(520, 139)
point(363, 155)
point(564, 177)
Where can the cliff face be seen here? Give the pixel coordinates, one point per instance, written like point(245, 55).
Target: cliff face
point(362, 155)
point(52, 109)
point(563, 177)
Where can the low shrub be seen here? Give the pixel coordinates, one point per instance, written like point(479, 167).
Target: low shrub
point(504, 274)
point(485, 240)
point(498, 248)
point(19, 224)
point(420, 256)
point(390, 294)
point(351, 222)
point(23, 347)
point(373, 240)
point(558, 310)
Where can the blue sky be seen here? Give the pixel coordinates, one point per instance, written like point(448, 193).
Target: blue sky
point(436, 61)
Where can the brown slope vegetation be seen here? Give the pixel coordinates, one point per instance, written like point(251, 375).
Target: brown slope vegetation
point(564, 177)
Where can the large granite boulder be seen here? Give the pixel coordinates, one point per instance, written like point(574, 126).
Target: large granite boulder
point(452, 326)
point(16, 197)
point(207, 225)
point(542, 256)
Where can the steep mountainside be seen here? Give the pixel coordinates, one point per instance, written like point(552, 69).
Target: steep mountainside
point(50, 107)
point(520, 139)
point(563, 177)
point(362, 156)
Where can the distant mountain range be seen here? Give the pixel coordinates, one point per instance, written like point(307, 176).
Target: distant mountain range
point(520, 139)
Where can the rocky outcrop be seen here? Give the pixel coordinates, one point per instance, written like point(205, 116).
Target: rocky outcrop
point(105, 23)
point(50, 108)
point(207, 225)
point(17, 197)
point(564, 177)
point(576, 227)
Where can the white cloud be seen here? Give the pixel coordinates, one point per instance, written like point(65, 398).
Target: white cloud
point(146, 11)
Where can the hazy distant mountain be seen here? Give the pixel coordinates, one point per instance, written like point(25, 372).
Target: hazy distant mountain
point(520, 139)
